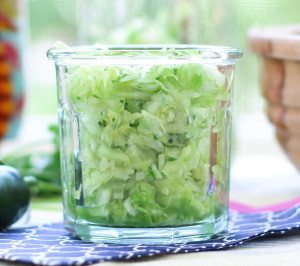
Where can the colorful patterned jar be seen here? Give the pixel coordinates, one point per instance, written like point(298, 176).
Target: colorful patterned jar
point(11, 80)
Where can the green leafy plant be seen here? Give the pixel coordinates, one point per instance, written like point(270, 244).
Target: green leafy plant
point(40, 168)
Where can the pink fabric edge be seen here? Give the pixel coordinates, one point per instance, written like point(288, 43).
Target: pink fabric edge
point(241, 207)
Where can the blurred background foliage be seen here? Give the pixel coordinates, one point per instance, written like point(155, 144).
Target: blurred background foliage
point(218, 22)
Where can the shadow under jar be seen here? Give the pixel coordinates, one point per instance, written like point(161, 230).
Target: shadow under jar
point(145, 141)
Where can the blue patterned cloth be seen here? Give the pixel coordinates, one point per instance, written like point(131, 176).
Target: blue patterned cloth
point(51, 244)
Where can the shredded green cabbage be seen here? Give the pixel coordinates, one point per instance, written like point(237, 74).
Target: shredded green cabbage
point(145, 136)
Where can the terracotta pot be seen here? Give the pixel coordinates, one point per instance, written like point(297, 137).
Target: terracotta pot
point(279, 49)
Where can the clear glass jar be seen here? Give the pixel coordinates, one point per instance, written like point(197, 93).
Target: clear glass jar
point(145, 140)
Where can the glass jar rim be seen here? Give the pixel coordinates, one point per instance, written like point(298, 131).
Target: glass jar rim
point(192, 53)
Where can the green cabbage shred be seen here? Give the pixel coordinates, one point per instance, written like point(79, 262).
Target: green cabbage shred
point(145, 138)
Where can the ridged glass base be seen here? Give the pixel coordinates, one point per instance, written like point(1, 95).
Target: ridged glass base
point(151, 236)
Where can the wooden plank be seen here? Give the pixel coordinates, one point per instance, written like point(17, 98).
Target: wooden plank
point(291, 87)
point(276, 113)
point(283, 117)
point(272, 79)
point(291, 144)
